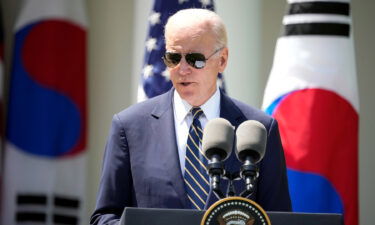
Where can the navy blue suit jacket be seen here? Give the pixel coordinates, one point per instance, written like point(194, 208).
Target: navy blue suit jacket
point(141, 164)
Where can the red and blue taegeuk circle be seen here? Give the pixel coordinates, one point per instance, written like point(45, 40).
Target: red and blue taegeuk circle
point(47, 105)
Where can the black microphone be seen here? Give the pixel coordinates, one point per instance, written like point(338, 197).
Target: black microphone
point(217, 143)
point(251, 146)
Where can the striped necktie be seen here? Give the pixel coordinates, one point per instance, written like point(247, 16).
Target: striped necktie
point(196, 178)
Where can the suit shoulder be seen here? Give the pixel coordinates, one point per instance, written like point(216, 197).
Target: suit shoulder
point(143, 109)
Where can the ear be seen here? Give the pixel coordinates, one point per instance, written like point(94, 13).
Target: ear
point(223, 59)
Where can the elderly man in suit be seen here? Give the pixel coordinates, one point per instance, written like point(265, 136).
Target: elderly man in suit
point(146, 156)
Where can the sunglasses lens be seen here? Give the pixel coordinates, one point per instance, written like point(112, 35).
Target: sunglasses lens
point(172, 59)
point(196, 60)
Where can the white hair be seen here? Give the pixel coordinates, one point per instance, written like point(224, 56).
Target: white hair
point(195, 16)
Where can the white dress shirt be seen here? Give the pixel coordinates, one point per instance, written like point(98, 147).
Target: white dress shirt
point(183, 119)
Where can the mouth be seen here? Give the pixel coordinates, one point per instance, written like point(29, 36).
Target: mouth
point(185, 84)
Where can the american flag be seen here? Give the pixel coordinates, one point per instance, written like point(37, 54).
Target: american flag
point(155, 77)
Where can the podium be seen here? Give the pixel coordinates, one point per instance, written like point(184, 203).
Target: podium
point(143, 216)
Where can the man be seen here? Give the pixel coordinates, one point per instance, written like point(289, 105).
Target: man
point(144, 163)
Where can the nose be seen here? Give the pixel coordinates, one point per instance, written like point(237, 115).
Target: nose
point(183, 67)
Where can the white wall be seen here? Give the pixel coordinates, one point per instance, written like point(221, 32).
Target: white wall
point(110, 44)
point(364, 36)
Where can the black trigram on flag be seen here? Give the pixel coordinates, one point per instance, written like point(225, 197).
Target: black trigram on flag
point(43, 209)
point(317, 18)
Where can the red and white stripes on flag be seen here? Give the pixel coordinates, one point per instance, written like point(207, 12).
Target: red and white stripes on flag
point(45, 147)
point(312, 92)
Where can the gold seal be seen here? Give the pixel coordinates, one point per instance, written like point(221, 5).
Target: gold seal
point(235, 211)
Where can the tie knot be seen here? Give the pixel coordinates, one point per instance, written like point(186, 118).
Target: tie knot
point(196, 112)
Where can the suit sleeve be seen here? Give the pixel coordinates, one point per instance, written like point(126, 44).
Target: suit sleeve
point(115, 189)
point(273, 191)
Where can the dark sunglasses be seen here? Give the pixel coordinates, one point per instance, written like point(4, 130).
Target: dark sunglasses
point(196, 60)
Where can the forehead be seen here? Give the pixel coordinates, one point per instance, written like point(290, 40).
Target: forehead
point(189, 37)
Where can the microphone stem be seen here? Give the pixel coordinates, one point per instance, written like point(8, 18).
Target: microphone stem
point(249, 172)
point(215, 183)
point(215, 169)
point(249, 183)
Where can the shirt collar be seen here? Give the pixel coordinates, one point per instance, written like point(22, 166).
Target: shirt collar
point(211, 108)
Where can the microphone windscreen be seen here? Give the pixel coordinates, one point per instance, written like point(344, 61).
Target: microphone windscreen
point(218, 136)
point(251, 141)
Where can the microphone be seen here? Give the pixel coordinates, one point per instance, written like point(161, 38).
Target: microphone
point(251, 147)
point(217, 144)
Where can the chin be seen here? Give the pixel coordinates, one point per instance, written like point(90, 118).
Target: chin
point(186, 92)
point(194, 100)
point(189, 97)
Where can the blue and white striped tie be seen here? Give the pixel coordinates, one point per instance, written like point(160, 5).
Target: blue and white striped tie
point(196, 177)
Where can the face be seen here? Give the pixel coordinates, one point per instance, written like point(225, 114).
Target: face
point(195, 86)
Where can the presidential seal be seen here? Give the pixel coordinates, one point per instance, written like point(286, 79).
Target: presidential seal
point(235, 211)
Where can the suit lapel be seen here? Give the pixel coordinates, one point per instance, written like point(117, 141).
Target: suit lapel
point(229, 111)
point(164, 130)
